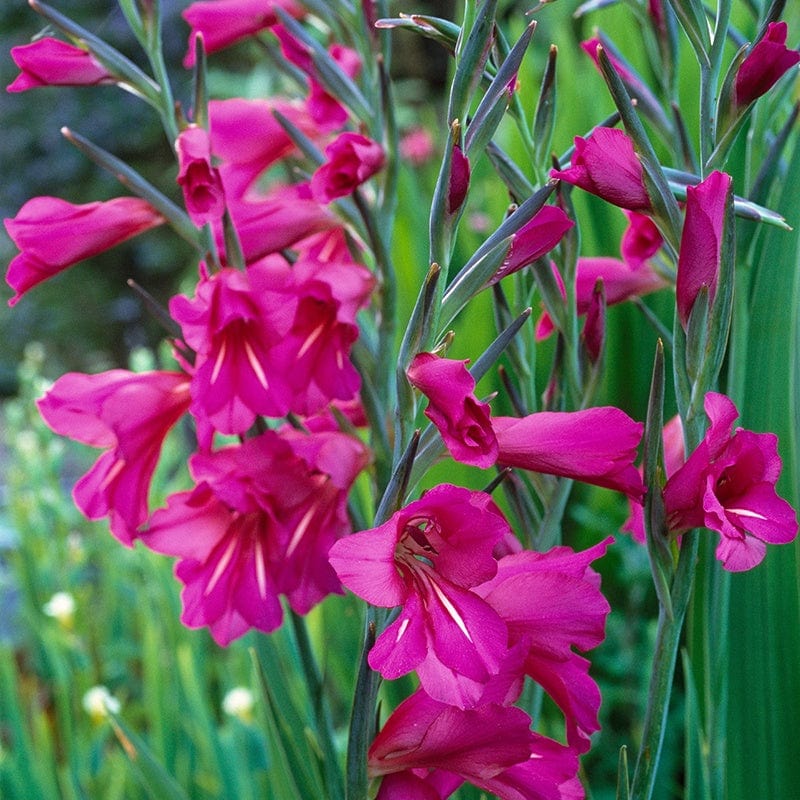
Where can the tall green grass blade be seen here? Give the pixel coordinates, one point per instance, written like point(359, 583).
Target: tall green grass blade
point(155, 779)
point(764, 713)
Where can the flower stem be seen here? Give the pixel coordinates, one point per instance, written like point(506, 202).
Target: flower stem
point(668, 639)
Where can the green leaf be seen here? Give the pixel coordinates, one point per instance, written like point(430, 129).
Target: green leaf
point(158, 783)
point(764, 714)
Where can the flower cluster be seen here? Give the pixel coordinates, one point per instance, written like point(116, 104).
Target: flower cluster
point(291, 318)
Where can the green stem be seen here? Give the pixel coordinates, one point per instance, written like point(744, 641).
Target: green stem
point(668, 639)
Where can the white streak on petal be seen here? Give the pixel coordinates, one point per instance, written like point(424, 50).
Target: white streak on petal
point(222, 565)
point(451, 610)
point(402, 629)
point(254, 363)
point(219, 361)
point(312, 337)
point(261, 575)
point(745, 512)
point(300, 530)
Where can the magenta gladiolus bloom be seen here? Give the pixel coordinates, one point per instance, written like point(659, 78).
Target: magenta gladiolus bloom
point(259, 524)
point(427, 558)
point(728, 485)
point(621, 282)
point(54, 234)
point(701, 242)
point(606, 164)
point(201, 183)
point(129, 414)
point(551, 603)
point(51, 62)
point(325, 110)
point(279, 220)
point(463, 421)
point(224, 22)
point(427, 749)
point(351, 160)
point(534, 239)
point(765, 64)
point(232, 324)
point(248, 139)
point(596, 445)
point(314, 355)
point(640, 241)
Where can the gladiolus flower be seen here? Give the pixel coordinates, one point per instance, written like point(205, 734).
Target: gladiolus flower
point(224, 22)
point(728, 485)
point(640, 241)
point(463, 421)
point(596, 445)
point(534, 239)
point(259, 524)
point(54, 234)
point(129, 414)
point(248, 139)
point(551, 602)
point(606, 164)
point(202, 187)
point(702, 241)
point(621, 282)
point(325, 110)
point(427, 749)
point(426, 558)
point(279, 220)
point(765, 64)
point(51, 62)
point(351, 160)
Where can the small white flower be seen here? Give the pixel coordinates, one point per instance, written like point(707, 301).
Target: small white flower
point(98, 702)
point(61, 607)
point(239, 702)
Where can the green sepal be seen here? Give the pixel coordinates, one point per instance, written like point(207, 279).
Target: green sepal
point(692, 17)
point(442, 223)
point(544, 116)
point(443, 31)
point(330, 75)
point(200, 83)
point(661, 561)
point(472, 53)
point(623, 775)
point(507, 170)
point(478, 270)
point(495, 101)
point(697, 335)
